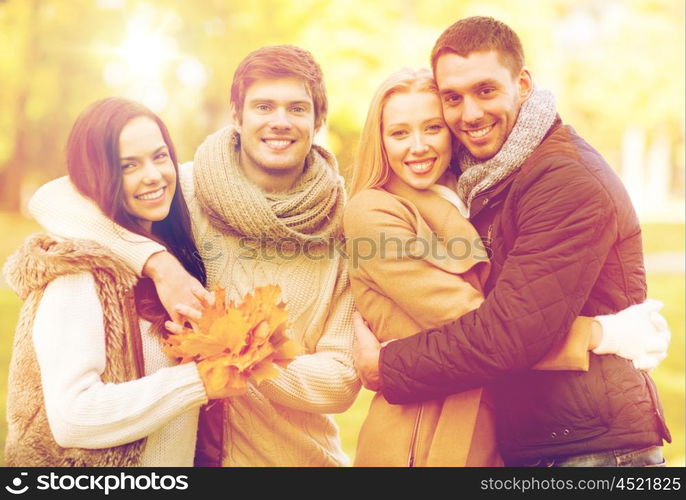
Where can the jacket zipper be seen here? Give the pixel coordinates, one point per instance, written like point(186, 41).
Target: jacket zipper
point(415, 437)
point(488, 241)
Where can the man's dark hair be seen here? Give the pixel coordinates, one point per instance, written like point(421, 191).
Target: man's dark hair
point(480, 34)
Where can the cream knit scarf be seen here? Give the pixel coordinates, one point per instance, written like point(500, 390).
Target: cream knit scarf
point(536, 116)
point(310, 212)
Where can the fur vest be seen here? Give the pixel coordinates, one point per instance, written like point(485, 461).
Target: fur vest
point(28, 271)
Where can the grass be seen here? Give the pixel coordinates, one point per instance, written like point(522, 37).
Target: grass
point(659, 238)
point(669, 377)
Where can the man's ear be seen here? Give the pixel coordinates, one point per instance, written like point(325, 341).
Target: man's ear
point(236, 119)
point(525, 84)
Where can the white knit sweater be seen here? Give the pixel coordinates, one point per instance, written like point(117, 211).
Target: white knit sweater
point(284, 422)
point(83, 412)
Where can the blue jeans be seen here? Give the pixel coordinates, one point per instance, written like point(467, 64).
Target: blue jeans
point(627, 457)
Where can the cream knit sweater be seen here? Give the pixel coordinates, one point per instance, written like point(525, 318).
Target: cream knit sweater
point(83, 412)
point(284, 422)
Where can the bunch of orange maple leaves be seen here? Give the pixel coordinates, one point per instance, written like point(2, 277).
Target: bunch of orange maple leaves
point(234, 343)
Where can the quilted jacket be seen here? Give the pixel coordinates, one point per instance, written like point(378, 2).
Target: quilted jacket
point(564, 240)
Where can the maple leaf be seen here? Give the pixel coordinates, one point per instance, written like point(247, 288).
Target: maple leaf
point(235, 343)
point(212, 312)
point(221, 377)
point(230, 329)
point(263, 371)
point(286, 353)
point(262, 307)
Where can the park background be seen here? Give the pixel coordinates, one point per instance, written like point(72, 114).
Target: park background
point(616, 67)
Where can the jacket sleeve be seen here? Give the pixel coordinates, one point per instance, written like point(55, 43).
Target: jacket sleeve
point(431, 290)
point(565, 230)
point(64, 212)
point(82, 411)
point(324, 381)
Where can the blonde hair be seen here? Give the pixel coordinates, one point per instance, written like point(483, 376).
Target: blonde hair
point(371, 168)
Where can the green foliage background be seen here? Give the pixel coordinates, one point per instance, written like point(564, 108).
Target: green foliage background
point(613, 65)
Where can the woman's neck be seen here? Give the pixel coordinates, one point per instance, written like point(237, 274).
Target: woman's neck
point(145, 225)
point(449, 180)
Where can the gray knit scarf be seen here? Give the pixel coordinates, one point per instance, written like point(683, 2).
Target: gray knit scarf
point(310, 212)
point(536, 116)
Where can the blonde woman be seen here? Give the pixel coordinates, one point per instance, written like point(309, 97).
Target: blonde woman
point(416, 263)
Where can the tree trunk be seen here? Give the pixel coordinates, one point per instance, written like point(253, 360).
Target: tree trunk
point(12, 172)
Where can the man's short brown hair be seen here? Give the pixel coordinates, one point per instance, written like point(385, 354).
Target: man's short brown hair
point(281, 61)
point(480, 34)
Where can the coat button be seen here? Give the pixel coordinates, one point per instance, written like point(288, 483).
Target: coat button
point(565, 432)
point(553, 435)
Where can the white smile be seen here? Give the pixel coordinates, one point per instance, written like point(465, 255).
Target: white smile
point(476, 134)
point(421, 167)
point(153, 195)
point(278, 143)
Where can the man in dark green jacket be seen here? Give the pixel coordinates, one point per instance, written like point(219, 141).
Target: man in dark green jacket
point(564, 241)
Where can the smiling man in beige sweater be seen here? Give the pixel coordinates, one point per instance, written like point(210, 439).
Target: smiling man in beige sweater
point(266, 206)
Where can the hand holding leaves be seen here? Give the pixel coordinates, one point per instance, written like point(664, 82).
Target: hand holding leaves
point(234, 343)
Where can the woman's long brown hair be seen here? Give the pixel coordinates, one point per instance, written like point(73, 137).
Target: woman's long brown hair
point(94, 168)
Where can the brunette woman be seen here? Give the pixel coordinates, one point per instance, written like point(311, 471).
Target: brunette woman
point(89, 383)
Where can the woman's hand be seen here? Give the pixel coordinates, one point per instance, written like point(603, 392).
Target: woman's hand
point(190, 315)
point(174, 284)
point(639, 333)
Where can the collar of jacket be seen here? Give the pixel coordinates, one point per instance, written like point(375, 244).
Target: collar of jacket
point(490, 195)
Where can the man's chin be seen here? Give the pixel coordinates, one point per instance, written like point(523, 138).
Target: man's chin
point(281, 167)
point(482, 154)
